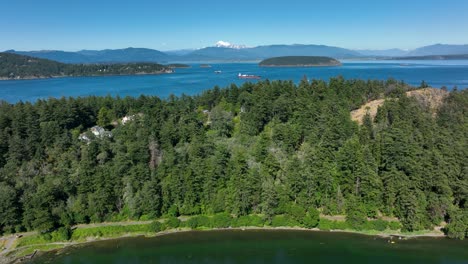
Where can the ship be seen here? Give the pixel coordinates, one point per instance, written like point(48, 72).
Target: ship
point(248, 76)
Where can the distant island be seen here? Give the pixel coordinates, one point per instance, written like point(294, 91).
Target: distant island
point(433, 57)
point(299, 61)
point(178, 66)
point(16, 67)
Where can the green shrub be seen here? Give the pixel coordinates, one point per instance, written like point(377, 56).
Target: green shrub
point(47, 236)
point(203, 221)
point(192, 222)
point(296, 212)
point(379, 225)
point(146, 217)
point(283, 220)
point(394, 225)
point(119, 217)
point(356, 220)
point(242, 220)
point(155, 226)
point(172, 222)
point(221, 220)
point(173, 211)
point(325, 224)
point(279, 220)
point(249, 220)
point(339, 225)
point(198, 221)
point(61, 234)
point(312, 218)
point(256, 220)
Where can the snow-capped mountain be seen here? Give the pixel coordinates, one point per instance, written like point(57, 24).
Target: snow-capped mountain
point(225, 44)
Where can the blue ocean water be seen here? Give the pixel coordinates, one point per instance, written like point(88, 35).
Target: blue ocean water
point(196, 79)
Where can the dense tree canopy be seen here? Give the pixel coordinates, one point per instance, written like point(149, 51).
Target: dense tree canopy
point(267, 148)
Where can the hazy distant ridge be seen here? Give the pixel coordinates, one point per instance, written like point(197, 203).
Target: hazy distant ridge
point(439, 49)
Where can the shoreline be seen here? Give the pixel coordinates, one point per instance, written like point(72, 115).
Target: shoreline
point(60, 246)
point(78, 76)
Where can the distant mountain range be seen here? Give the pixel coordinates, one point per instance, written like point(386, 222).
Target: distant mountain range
point(225, 51)
point(99, 56)
point(432, 57)
point(439, 49)
point(432, 50)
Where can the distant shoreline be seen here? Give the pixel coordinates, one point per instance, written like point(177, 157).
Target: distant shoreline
point(78, 76)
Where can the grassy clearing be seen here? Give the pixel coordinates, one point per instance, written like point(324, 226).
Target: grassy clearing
point(24, 251)
point(32, 240)
point(109, 231)
point(419, 233)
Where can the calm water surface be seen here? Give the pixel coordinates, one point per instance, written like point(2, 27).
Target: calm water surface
point(262, 246)
point(194, 80)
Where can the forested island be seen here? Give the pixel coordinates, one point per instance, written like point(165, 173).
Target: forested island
point(299, 61)
point(270, 153)
point(14, 66)
point(178, 66)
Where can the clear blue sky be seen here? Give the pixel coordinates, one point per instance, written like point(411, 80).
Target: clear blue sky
point(177, 24)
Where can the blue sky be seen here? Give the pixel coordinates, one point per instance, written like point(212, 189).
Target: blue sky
point(177, 24)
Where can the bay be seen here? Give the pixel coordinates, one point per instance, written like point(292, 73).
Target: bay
point(196, 79)
point(263, 246)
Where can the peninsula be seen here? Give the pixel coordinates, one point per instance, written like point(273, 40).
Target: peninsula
point(16, 67)
point(70, 166)
point(299, 61)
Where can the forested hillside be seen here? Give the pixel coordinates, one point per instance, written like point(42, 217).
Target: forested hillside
point(14, 66)
point(267, 148)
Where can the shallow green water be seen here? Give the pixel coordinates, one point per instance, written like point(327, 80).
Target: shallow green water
point(260, 246)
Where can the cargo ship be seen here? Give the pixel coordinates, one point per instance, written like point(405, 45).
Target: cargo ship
point(248, 76)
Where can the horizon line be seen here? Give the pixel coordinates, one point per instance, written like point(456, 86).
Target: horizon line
point(247, 47)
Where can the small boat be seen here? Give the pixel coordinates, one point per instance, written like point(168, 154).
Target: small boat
point(248, 76)
point(217, 72)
